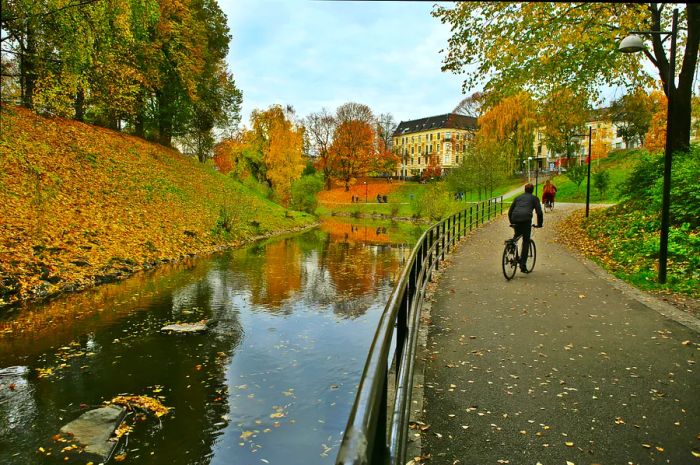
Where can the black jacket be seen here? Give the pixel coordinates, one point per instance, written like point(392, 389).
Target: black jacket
point(520, 210)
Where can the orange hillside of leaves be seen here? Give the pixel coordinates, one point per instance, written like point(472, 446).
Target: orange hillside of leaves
point(81, 204)
point(338, 194)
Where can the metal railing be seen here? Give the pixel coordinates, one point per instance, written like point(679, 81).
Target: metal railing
point(377, 431)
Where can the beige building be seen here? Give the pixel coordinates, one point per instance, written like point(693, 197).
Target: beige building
point(439, 140)
point(605, 138)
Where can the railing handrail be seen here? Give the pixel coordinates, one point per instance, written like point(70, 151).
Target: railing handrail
point(365, 439)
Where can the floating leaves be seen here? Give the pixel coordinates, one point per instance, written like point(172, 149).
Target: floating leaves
point(144, 403)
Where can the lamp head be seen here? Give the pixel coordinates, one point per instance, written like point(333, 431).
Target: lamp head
point(631, 44)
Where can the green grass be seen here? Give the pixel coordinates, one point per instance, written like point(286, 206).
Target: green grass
point(402, 201)
point(619, 164)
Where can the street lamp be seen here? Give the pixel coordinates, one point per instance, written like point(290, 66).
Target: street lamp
point(631, 44)
point(528, 168)
point(365, 191)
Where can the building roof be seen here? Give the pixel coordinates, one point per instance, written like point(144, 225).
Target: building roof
point(447, 121)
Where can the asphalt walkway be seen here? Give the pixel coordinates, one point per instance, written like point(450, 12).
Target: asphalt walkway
point(558, 367)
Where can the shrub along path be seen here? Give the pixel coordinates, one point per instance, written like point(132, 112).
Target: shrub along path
point(560, 366)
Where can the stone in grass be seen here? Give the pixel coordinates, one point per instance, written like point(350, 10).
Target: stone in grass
point(185, 328)
point(93, 429)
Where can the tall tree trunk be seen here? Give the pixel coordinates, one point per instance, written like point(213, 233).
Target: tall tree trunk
point(28, 67)
point(139, 122)
point(79, 104)
point(680, 130)
point(165, 119)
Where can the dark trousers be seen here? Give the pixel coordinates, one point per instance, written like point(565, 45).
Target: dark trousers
point(523, 229)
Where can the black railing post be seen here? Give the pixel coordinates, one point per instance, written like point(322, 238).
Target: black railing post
point(482, 212)
point(449, 233)
point(380, 452)
point(459, 225)
point(430, 249)
point(442, 245)
point(501, 205)
point(471, 217)
point(436, 242)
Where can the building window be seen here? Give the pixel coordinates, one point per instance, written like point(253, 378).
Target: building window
point(448, 135)
point(438, 136)
point(447, 159)
point(420, 150)
point(437, 148)
point(457, 159)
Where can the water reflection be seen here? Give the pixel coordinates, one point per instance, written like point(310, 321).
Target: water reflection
point(289, 324)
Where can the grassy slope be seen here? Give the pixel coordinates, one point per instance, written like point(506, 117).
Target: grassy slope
point(619, 164)
point(80, 204)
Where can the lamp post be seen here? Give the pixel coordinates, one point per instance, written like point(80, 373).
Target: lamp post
point(631, 44)
point(528, 169)
point(588, 181)
point(365, 191)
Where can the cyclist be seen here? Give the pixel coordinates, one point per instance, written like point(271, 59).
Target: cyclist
point(520, 216)
point(548, 192)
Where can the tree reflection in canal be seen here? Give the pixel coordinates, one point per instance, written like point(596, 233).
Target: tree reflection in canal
point(289, 320)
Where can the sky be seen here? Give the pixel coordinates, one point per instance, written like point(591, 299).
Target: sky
point(313, 54)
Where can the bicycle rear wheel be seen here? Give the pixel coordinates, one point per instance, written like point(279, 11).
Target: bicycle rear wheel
point(510, 260)
point(531, 257)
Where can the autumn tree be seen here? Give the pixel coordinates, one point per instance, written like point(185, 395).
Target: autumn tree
point(353, 150)
point(433, 170)
point(386, 125)
point(601, 143)
point(655, 138)
point(511, 121)
point(471, 106)
point(632, 114)
point(574, 45)
point(353, 111)
point(563, 116)
point(281, 143)
point(154, 67)
point(320, 127)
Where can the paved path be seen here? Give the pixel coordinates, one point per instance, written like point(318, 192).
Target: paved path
point(555, 367)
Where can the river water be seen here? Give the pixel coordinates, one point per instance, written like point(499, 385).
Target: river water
point(272, 380)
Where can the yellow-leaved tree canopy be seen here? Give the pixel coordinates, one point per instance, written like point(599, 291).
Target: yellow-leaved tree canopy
point(543, 45)
point(281, 143)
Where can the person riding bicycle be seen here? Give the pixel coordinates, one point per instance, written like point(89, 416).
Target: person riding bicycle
point(548, 192)
point(520, 216)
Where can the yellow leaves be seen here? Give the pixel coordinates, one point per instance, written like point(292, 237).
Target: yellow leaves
point(245, 435)
point(146, 403)
point(89, 203)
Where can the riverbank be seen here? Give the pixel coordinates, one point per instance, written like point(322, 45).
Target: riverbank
point(83, 205)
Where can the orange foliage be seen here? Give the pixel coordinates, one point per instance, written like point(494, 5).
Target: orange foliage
point(655, 140)
point(374, 187)
point(601, 145)
point(353, 150)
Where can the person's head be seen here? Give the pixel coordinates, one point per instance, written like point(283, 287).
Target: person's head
point(548, 182)
point(529, 188)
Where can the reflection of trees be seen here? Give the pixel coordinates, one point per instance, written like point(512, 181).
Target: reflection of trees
point(51, 324)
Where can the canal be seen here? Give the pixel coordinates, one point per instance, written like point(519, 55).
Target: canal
point(271, 381)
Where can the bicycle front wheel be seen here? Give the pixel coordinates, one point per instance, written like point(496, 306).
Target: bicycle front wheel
point(510, 261)
point(531, 257)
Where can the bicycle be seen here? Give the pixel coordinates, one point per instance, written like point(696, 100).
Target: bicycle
point(548, 205)
point(511, 255)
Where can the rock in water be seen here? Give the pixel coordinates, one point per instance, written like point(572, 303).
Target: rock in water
point(185, 328)
point(93, 429)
